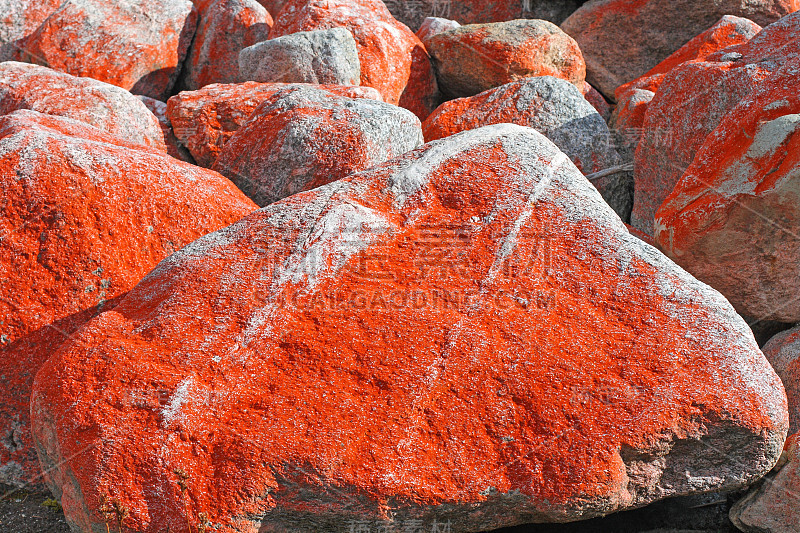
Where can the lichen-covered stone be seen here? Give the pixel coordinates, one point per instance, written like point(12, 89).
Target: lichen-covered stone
point(305, 137)
point(466, 334)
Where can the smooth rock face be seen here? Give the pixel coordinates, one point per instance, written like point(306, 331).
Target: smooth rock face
point(225, 28)
point(691, 102)
point(204, 120)
point(783, 353)
point(325, 362)
point(174, 148)
point(729, 31)
point(477, 57)
point(305, 137)
point(621, 40)
point(85, 216)
point(138, 45)
point(732, 218)
point(393, 59)
point(554, 108)
point(104, 106)
point(18, 19)
point(321, 56)
point(771, 506)
point(435, 25)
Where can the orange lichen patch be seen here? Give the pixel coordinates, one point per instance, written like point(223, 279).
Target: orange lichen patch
point(286, 373)
point(137, 45)
point(205, 119)
point(393, 59)
point(85, 216)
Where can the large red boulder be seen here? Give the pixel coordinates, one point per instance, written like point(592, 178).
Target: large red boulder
point(18, 19)
point(204, 120)
point(304, 137)
point(104, 106)
point(84, 217)
point(477, 57)
point(224, 29)
point(732, 219)
point(466, 334)
point(138, 45)
point(622, 39)
point(393, 59)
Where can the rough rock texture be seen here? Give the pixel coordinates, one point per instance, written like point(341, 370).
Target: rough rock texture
point(477, 57)
point(305, 137)
point(18, 19)
point(224, 29)
point(435, 25)
point(84, 217)
point(771, 507)
point(594, 97)
point(273, 6)
point(627, 121)
point(691, 102)
point(204, 120)
point(174, 148)
point(105, 106)
point(732, 218)
point(285, 374)
point(393, 59)
point(621, 40)
point(138, 45)
point(729, 31)
point(554, 108)
point(413, 13)
point(783, 353)
point(320, 56)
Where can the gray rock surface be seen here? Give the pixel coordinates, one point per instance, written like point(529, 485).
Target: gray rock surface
point(435, 25)
point(304, 137)
point(319, 56)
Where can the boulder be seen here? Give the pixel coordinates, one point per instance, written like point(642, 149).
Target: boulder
point(621, 40)
point(733, 217)
point(409, 345)
point(18, 19)
point(627, 121)
point(691, 102)
point(225, 28)
point(771, 506)
point(597, 100)
point(104, 106)
point(85, 216)
point(304, 137)
point(204, 120)
point(138, 45)
point(783, 353)
point(320, 56)
point(477, 57)
point(393, 59)
point(435, 25)
point(554, 108)
point(174, 148)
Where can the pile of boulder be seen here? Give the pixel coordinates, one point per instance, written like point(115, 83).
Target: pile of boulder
point(347, 265)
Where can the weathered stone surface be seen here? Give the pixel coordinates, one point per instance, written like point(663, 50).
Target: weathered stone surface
point(320, 56)
point(627, 121)
point(733, 217)
point(729, 31)
point(85, 216)
point(594, 97)
point(783, 353)
point(691, 102)
point(771, 507)
point(570, 370)
point(621, 40)
point(18, 19)
point(138, 45)
point(413, 13)
point(225, 28)
point(393, 59)
point(477, 57)
point(204, 120)
point(556, 109)
point(435, 25)
point(105, 106)
point(305, 137)
point(174, 148)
